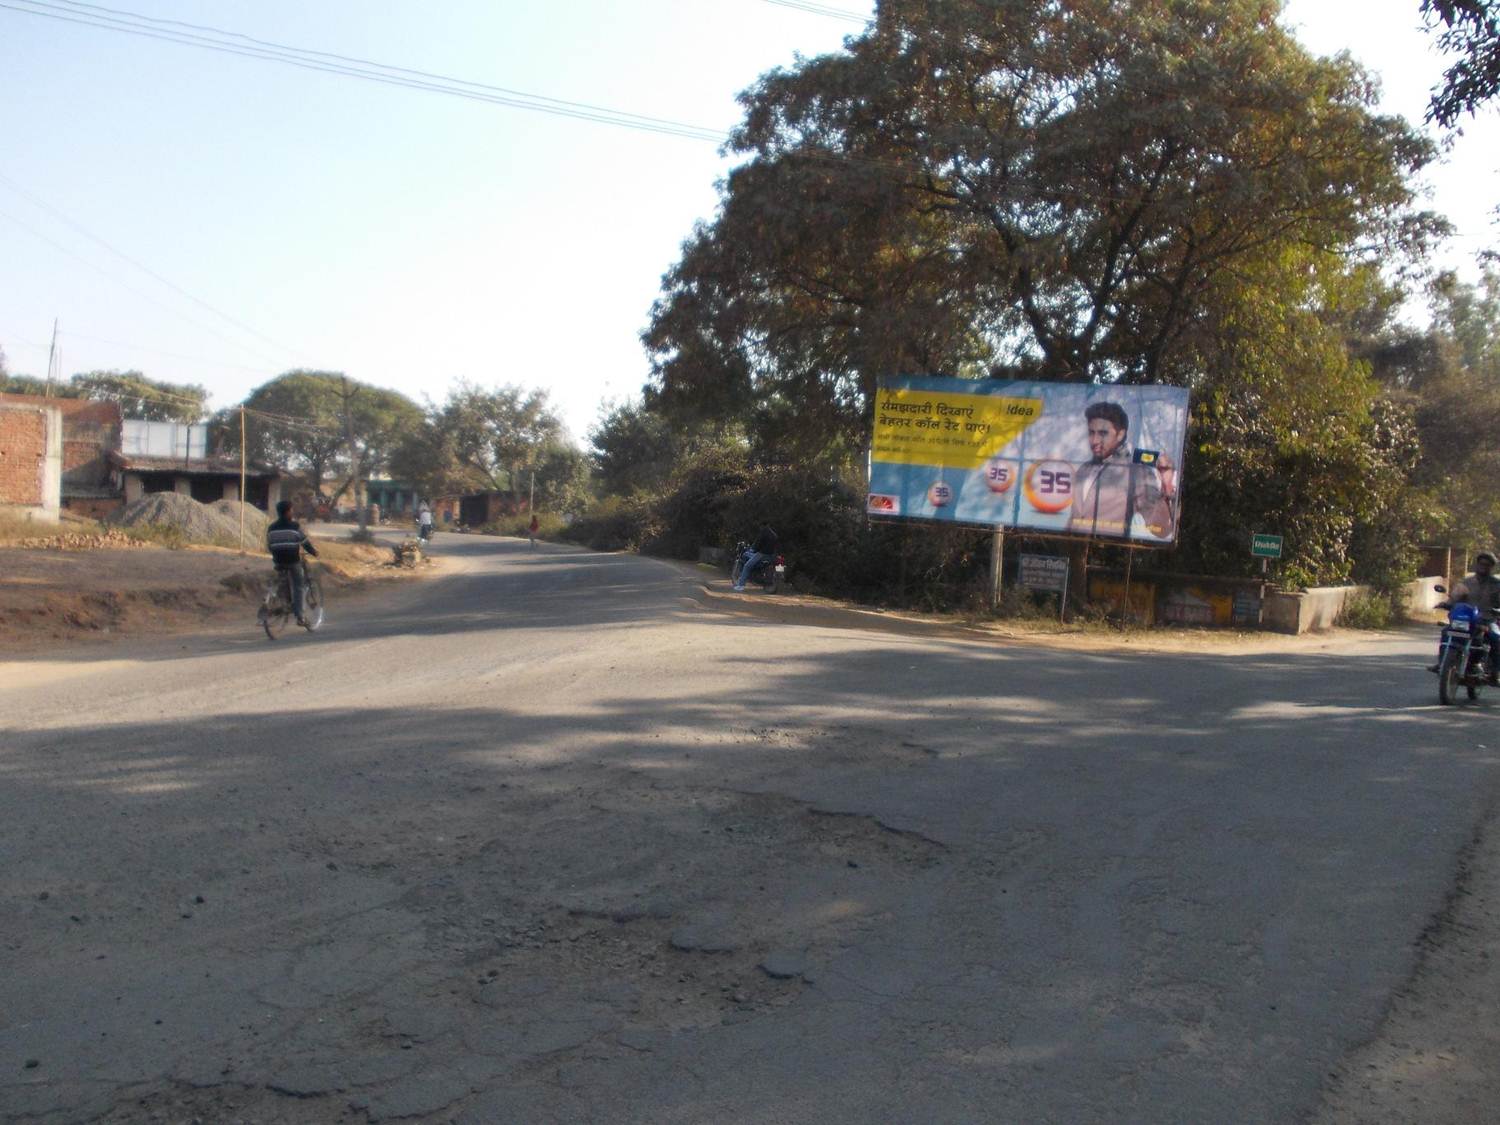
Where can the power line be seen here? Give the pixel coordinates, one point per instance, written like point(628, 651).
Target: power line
point(823, 10)
point(80, 229)
point(160, 351)
point(215, 39)
point(127, 287)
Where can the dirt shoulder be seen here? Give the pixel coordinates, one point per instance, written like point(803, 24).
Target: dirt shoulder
point(712, 587)
point(52, 596)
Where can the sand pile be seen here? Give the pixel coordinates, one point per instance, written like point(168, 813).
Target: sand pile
point(198, 523)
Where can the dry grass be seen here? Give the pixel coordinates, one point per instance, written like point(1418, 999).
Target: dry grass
point(14, 526)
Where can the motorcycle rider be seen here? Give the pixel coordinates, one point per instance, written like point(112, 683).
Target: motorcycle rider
point(764, 547)
point(1481, 589)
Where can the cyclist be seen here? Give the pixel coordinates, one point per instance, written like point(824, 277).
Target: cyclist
point(286, 541)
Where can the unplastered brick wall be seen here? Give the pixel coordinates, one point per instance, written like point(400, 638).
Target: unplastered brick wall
point(23, 453)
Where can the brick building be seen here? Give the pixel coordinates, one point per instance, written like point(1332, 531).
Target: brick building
point(31, 458)
point(104, 461)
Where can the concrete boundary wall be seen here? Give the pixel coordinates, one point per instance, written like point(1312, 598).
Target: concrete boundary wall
point(1318, 607)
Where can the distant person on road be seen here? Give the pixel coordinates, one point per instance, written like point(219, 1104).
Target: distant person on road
point(1117, 485)
point(424, 522)
point(286, 541)
point(532, 528)
point(764, 547)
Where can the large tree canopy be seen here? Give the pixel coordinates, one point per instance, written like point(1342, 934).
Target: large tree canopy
point(304, 418)
point(139, 397)
point(500, 439)
point(1054, 188)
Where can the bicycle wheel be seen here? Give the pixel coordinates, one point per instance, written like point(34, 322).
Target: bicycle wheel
point(275, 612)
point(312, 604)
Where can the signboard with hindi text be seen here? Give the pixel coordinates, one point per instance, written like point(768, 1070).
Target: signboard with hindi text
point(1069, 458)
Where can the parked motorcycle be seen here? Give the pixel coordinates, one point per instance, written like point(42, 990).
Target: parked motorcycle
point(769, 572)
point(1466, 652)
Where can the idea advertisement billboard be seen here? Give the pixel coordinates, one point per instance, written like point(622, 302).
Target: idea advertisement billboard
point(1066, 458)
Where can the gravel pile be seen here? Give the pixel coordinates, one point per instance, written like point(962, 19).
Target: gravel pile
point(199, 523)
point(256, 521)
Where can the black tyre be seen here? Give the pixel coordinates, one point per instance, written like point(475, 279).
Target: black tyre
point(1449, 676)
point(275, 614)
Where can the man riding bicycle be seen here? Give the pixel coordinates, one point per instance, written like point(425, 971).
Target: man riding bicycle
point(286, 541)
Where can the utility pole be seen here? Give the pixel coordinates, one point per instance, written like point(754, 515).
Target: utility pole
point(354, 466)
point(997, 565)
point(242, 478)
point(51, 359)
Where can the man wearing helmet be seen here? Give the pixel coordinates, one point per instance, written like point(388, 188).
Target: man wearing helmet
point(1482, 590)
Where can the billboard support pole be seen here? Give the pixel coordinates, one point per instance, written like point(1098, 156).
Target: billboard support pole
point(1125, 612)
point(997, 565)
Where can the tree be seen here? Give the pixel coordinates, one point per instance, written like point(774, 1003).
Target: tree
point(149, 399)
point(638, 447)
point(303, 419)
point(31, 385)
point(1469, 29)
point(1054, 189)
point(496, 436)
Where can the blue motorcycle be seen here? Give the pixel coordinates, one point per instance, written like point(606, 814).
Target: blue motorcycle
point(1467, 653)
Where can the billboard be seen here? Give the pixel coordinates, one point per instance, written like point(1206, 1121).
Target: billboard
point(1062, 458)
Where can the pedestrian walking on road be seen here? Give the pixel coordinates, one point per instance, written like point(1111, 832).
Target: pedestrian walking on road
point(532, 528)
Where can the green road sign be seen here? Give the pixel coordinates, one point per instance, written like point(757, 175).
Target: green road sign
point(1265, 546)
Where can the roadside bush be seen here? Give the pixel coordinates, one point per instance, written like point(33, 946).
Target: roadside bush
point(1366, 611)
point(618, 523)
point(1020, 604)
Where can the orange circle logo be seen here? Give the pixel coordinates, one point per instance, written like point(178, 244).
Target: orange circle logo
point(1000, 475)
point(1049, 486)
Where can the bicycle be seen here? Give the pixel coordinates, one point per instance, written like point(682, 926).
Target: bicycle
point(276, 609)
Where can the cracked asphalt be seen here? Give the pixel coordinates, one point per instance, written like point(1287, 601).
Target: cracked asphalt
point(555, 838)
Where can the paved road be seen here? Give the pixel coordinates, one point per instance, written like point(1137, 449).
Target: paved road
point(550, 839)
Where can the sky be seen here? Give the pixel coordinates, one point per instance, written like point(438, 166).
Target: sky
point(210, 218)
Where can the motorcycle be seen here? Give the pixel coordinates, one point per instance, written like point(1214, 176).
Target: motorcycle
point(1467, 652)
point(769, 572)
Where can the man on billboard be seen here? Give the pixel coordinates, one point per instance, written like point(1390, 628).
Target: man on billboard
point(1121, 492)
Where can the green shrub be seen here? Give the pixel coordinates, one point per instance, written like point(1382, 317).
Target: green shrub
point(1366, 611)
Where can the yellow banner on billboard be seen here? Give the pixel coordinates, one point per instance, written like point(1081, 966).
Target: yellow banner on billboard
point(915, 427)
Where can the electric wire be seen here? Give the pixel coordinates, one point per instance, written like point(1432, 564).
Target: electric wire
point(31, 197)
point(158, 351)
point(102, 272)
point(370, 71)
point(391, 75)
point(823, 10)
